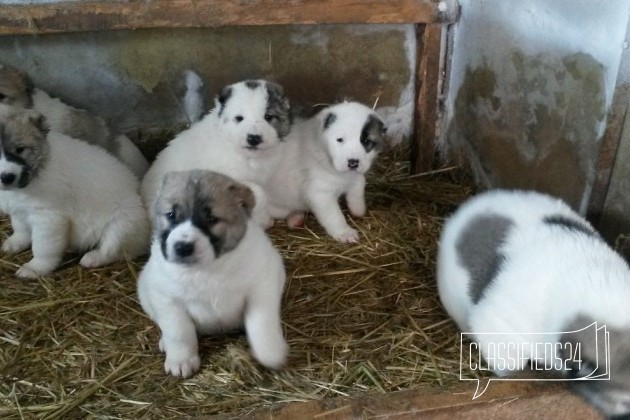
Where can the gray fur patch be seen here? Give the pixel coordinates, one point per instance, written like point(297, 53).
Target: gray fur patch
point(23, 139)
point(223, 97)
point(478, 251)
point(571, 225)
point(252, 84)
point(329, 120)
point(278, 112)
point(373, 134)
point(214, 203)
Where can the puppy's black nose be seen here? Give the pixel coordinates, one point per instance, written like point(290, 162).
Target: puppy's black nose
point(353, 163)
point(184, 249)
point(254, 140)
point(7, 178)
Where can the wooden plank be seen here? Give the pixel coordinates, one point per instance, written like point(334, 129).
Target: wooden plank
point(502, 400)
point(133, 14)
point(428, 76)
point(612, 138)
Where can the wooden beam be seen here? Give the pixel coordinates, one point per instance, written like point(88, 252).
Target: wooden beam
point(611, 140)
point(133, 14)
point(503, 400)
point(428, 76)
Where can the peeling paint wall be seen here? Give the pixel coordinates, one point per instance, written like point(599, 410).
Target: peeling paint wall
point(136, 78)
point(531, 84)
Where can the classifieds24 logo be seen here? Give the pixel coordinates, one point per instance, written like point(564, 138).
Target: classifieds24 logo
point(504, 354)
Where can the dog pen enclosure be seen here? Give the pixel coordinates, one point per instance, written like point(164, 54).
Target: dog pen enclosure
point(368, 333)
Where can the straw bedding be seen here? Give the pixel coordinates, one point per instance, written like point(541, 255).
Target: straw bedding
point(361, 318)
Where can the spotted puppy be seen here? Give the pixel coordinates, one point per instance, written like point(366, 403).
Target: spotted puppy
point(238, 138)
point(64, 194)
point(323, 158)
point(524, 263)
point(212, 269)
point(17, 89)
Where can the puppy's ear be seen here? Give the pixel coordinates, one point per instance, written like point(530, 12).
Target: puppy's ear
point(39, 122)
point(329, 120)
point(244, 196)
point(27, 84)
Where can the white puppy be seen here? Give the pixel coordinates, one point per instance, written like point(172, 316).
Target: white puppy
point(237, 138)
point(65, 194)
point(16, 89)
point(211, 270)
point(323, 158)
point(524, 263)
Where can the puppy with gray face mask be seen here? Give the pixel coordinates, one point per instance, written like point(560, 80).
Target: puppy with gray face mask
point(212, 269)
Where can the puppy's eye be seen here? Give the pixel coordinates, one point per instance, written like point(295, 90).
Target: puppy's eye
point(238, 118)
point(212, 220)
point(20, 150)
point(2, 96)
point(367, 143)
point(340, 140)
point(269, 117)
point(170, 216)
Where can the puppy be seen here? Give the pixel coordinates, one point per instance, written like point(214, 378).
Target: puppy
point(17, 89)
point(238, 138)
point(64, 194)
point(524, 263)
point(323, 158)
point(211, 270)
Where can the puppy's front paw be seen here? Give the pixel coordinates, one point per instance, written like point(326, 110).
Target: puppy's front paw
point(348, 236)
point(182, 367)
point(16, 243)
point(34, 269)
point(274, 357)
point(296, 220)
point(94, 258)
point(357, 209)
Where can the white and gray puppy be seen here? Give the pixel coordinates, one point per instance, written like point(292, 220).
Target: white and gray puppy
point(524, 263)
point(65, 194)
point(238, 138)
point(323, 158)
point(17, 89)
point(212, 269)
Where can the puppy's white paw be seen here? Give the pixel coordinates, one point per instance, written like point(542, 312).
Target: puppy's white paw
point(296, 220)
point(182, 367)
point(274, 357)
point(348, 236)
point(16, 243)
point(357, 209)
point(93, 259)
point(34, 269)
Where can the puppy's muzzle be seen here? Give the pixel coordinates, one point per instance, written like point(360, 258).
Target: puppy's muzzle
point(183, 249)
point(353, 164)
point(253, 140)
point(7, 178)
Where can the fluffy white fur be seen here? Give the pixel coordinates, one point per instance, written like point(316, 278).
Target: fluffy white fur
point(241, 287)
point(313, 172)
point(57, 115)
point(219, 143)
point(82, 199)
point(550, 275)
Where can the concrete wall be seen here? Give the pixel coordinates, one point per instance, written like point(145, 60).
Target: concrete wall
point(531, 85)
point(136, 78)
